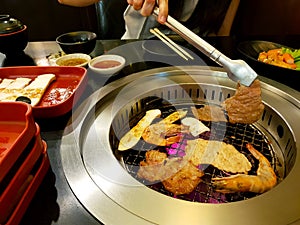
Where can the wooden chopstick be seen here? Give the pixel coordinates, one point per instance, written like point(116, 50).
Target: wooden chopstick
point(173, 43)
point(181, 52)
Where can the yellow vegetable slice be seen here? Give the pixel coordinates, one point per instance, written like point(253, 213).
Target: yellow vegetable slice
point(132, 137)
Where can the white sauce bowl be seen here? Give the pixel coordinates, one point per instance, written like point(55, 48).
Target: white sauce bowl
point(107, 64)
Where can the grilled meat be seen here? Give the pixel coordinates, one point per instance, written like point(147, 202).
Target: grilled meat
point(209, 113)
point(165, 132)
point(152, 168)
point(246, 105)
point(178, 175)
point(185, 180)
point(219, 154)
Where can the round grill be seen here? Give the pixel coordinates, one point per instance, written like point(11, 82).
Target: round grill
point(105, 181)
point(236, 134)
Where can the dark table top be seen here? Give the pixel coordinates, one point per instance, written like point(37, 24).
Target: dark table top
point(54, 202)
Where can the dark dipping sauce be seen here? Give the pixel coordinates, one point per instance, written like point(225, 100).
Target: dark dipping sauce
point(106, 64)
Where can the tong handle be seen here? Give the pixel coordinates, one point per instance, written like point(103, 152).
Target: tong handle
point(237, 70)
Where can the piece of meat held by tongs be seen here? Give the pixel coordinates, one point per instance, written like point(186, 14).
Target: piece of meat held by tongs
point(237, 70)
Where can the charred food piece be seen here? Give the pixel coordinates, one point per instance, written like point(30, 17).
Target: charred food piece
point(246, 105)
point(178, 175)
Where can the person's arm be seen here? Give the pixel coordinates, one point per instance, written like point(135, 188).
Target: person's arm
point(78, 3)
point(146, 7)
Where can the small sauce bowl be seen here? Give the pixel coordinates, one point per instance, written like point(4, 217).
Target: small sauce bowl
point(107, 64)
point(75, 59)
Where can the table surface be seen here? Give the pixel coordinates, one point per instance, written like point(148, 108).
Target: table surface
point(54, 202)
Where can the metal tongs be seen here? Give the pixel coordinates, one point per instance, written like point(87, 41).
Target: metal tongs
point(237, 70)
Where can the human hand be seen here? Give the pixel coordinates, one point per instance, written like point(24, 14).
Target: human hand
point(146, 8)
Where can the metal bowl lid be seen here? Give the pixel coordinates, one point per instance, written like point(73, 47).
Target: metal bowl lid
point(9, 24)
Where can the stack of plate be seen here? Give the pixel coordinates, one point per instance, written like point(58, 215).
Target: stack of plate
point(23, 160)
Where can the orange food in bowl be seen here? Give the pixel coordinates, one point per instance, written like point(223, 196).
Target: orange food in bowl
point(75, 59)
point(277, 58)
point(72, 62)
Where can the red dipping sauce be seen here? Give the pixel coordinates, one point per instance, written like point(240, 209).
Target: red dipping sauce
point(105, 64)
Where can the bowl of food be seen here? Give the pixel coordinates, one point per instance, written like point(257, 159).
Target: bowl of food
point(13, 35)
point(107, 65)
point(77, 42)
point(271, 53)
point(267, 59)
point(75, 59)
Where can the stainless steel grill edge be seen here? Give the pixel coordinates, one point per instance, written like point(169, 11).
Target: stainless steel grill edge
point(110, 194)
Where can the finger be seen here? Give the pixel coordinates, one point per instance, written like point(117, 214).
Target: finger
point(136, 4)
point(148, 7)
point(163, 11)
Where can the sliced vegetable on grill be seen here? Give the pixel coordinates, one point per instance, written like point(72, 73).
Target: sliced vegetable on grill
point(196, 127)
point(131, 138)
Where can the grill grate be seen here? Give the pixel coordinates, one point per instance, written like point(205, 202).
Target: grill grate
point(236, 134)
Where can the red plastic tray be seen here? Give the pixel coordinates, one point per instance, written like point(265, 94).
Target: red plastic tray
point(34, 181)
point(61, 95)
point(17, 177)
point(17, 128)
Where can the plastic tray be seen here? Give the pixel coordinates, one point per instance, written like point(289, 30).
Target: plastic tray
point(17, 128)
point(34, 181)
point(62, 93)
point(14, 180)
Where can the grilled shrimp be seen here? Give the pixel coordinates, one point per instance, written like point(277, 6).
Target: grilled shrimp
point(260, 183)
point(165, 133)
